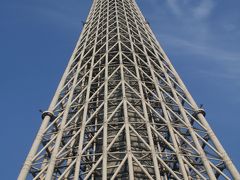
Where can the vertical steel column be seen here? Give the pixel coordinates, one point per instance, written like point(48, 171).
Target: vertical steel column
point(105, 128)
point(128, 139)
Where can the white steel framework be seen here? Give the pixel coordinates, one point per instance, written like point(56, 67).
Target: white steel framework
point(121, 110)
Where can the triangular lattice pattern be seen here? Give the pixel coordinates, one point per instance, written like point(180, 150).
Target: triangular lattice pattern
point(122, 112)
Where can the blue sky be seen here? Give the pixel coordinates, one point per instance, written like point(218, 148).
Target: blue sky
point(37, 38)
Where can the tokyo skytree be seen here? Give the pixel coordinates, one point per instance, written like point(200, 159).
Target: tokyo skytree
point(121, 111)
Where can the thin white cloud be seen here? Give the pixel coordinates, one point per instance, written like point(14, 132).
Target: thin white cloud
point(204, 9)
point(173, 4)
point(228, 62)
point(192, 47)
point(185, 8)
point(224, 74)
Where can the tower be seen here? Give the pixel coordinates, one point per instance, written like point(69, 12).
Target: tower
point(121, 110)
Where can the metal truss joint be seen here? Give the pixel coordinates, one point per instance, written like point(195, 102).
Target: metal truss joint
point(48, 113)
point(200, 111)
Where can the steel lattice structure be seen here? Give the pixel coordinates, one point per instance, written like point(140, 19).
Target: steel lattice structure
point(121, 110)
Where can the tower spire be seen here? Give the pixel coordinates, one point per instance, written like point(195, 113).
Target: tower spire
point(121, 111)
